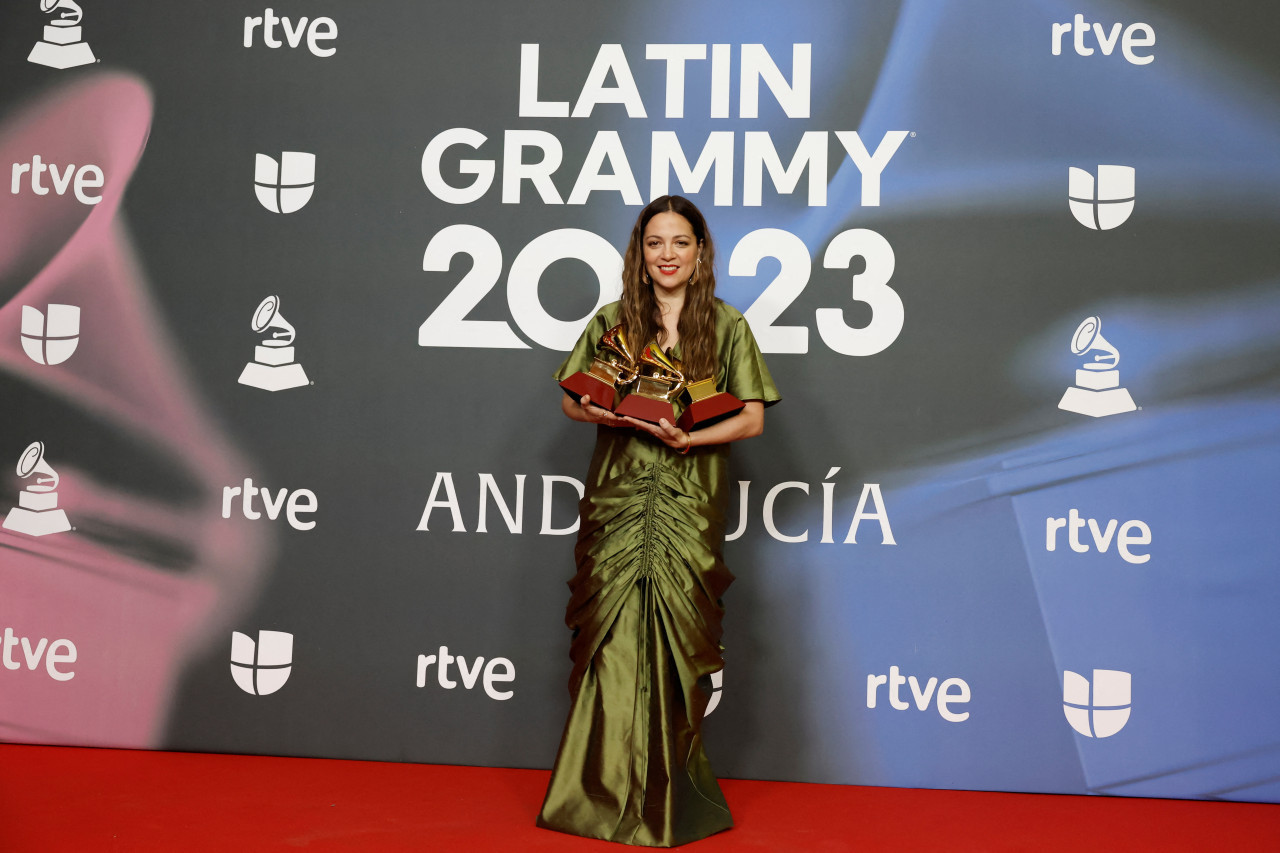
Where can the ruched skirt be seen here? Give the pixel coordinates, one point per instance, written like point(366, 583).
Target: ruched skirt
point(645, 611)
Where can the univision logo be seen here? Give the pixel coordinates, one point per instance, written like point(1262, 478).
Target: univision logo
point(263, 667)
point(285, 186)
point(52, 338)
point(717, 688)
point(1104, 203)
point(1102, 712)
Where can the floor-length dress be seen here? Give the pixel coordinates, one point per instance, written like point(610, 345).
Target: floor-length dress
point(645, 611)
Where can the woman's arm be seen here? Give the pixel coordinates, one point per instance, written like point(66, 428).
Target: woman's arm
point(746, 424)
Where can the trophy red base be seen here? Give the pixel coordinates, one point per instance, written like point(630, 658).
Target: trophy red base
point(647, 409)
point(702, 413)
point(707, 405)
point(581, 385)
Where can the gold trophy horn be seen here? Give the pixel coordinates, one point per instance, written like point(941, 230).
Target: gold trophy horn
point(651, 399)
point(613, 367)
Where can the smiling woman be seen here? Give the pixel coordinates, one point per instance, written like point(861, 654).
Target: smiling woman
point(645, 603)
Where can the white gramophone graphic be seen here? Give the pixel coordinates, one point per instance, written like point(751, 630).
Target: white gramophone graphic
point(273, 367)
point(37, 513)
point(61, 46)
point(1097, 391)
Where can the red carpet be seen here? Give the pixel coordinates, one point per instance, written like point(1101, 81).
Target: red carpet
point(82, 800)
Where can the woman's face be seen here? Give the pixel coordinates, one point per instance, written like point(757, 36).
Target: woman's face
point(670, 250)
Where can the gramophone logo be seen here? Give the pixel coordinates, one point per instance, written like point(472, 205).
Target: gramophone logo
point(273, 367)
point(1100, 709)
point(1097, 391)
point(263, 667)
point(61, 46)
point(50, 338)
point(37, 512)
point(285, 186)
point(1105, 203)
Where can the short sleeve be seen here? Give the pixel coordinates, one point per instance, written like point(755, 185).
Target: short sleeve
point(584, 351)
point(745, 375)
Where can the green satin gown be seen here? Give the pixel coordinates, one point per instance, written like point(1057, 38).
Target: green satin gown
point(645, 611)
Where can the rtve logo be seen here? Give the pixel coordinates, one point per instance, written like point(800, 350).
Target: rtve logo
point(51, 338)
point(1103, 713)
point(301, 500)
point(285, 186)
point(1105, 203)
point(945, 695)
point(318, 29)
point(263, 667)
point(1134, 35)
point(55, 654)
point(1130, 533)
point(86, 178)
point(496, 671)
point(61, 46)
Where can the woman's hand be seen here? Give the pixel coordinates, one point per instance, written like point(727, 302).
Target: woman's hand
point(599, 415)
point(746, 424)
point(668, 433)
point(587, 412)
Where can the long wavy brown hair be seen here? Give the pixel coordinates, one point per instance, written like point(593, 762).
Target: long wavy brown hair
point(640, 310)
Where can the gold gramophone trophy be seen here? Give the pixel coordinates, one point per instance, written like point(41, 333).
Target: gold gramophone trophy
point(707, 405)
point(613, 367)
point(654, 392)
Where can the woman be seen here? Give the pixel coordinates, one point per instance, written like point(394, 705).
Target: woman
point(645, 603)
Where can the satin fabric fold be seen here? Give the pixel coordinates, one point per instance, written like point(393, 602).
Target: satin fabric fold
point(645, 611)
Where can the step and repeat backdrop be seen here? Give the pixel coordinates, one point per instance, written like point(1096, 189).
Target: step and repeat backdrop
point(282, 467)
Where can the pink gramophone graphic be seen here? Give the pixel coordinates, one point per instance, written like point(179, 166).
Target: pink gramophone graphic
point(147, 576)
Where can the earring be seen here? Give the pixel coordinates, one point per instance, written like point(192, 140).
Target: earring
point(644, 276)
